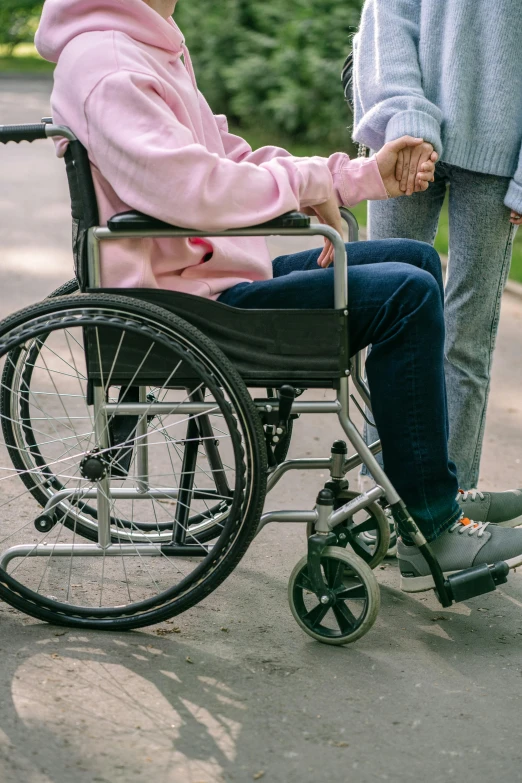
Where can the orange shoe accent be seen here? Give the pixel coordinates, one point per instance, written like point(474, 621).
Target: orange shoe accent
point(465, 521)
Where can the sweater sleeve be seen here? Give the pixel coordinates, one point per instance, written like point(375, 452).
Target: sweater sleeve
point(388, 94)
point(239, 150)
point(513, 198)
point(353, 180)
point(155, 165)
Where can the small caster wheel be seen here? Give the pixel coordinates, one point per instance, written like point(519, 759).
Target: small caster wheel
point(44, 523)
point(350, 606)
point(367, 531)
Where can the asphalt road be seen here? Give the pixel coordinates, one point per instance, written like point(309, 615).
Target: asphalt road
point(428, 694)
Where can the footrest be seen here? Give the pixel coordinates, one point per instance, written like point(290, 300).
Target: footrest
point(476, 581)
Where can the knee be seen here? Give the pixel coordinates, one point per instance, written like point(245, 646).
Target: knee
point(421, 283)
point(422, 299)
point(431, 261)
point(411, 287)
point(423, 255)
point(427, 259)
point(412, 303)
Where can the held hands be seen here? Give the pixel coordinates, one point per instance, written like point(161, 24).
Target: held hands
point(414, 161)
point(407, 165)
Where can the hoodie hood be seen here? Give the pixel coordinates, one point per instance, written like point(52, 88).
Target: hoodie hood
point(64, 20)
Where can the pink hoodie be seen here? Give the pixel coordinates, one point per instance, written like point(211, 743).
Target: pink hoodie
point(125, 85)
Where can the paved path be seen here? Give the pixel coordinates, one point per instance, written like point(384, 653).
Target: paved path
point(429, 694)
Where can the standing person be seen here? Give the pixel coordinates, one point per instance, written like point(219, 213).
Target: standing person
point(450, 71)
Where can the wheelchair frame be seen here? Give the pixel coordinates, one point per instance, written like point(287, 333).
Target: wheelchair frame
point(323, 518)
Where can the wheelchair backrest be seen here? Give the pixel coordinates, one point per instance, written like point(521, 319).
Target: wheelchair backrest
point(84, 207)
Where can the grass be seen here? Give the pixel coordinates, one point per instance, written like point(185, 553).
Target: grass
point(25, 60)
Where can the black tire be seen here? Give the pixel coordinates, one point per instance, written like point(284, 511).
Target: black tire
point(350, 582)
point(237, 413)
point(66, 289)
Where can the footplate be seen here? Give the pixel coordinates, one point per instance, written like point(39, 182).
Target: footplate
point(476, 581)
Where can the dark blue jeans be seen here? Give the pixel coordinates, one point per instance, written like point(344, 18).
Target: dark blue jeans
point(396, 306)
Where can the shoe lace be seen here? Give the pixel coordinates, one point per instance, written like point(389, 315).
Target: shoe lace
point(469, 494)
point(465, 525)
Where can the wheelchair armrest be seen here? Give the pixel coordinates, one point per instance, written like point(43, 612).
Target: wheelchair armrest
point(137, 221)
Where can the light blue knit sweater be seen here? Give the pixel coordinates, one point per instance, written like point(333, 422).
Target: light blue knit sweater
point(449, 71)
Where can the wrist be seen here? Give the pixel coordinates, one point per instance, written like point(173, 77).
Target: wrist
point(359, 180)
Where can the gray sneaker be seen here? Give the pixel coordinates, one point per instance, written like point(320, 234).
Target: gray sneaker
point(464, 545)
point(502, 508)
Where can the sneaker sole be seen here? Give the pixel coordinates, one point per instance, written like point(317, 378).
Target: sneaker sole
point(419, 584)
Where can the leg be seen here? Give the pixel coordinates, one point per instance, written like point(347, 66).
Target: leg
point(398, 308)
point(480, 253)
point(417, 254)
point(417, 218)
point(414, 217)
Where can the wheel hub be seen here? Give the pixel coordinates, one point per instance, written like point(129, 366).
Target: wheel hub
point(327, 598)
point(93, 466)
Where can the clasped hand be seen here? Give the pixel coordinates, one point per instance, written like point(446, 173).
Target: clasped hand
point(406, 165)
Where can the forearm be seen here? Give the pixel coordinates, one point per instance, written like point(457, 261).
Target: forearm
point(353, 180)
point(388, 94)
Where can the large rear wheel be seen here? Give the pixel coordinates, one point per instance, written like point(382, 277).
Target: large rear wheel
point(171, 496)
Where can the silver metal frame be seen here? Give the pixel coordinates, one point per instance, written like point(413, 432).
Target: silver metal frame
point(324, 520)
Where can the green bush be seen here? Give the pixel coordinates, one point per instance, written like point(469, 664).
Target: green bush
point(274, 64)
point(18, 22)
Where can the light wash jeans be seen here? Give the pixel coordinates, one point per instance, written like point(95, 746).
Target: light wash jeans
point(481, 240)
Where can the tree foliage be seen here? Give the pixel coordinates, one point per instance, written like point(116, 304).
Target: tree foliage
point(274, 64)
point(18, 20)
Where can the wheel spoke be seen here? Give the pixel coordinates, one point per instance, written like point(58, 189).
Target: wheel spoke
point(362, 549)
point(303, 582)
point(367, 526)
point(355, 593)
point(316, 615)
point(345, 618)
point(333, 570)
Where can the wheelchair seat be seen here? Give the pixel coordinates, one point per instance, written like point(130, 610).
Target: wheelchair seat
point(303, 348)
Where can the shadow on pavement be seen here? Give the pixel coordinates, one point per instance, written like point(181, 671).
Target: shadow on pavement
point(207, 704)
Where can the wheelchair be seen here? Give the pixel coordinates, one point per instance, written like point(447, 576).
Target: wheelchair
point(128, 417)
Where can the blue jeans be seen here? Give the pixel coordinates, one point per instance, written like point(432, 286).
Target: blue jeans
point(396, 304)
point(481, 239)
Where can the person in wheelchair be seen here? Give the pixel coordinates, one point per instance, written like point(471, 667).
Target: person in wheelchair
point(125, 83)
